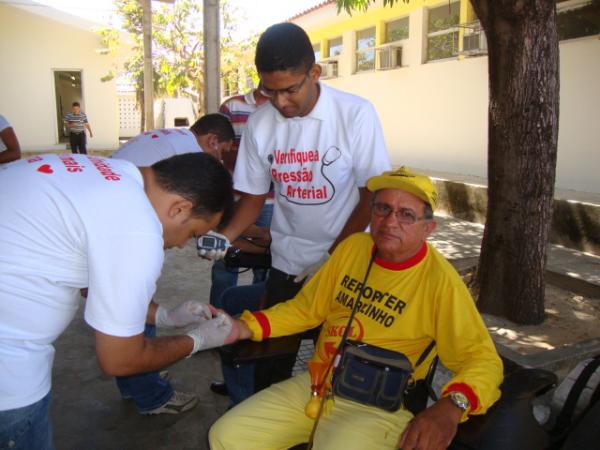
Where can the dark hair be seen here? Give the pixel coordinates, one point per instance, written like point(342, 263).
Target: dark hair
point(217, 124)
point(284, 46)
point(75, 104)
point(428, 211)
point(199, 178)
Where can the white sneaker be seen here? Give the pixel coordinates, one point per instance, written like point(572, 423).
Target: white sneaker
point(178, 403)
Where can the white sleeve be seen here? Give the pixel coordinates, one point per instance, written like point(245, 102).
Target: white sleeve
point(251, 174)
point(123, 270)
point(370, 156)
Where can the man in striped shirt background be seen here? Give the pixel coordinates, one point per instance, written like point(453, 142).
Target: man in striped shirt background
point(75, 123)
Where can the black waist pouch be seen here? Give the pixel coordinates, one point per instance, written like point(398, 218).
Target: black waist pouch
point(235, 258)
point(372, 375)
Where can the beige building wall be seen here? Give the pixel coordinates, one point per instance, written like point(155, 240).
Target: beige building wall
point(434, 115)
point(32, 47)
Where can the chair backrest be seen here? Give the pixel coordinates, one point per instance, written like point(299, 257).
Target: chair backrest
point(576, 395)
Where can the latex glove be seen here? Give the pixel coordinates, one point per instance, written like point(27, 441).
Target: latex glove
point(312, 269)
point(215, 254)
point(212, 333)
point(186, 313)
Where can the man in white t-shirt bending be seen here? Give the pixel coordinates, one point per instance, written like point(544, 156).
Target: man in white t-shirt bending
point(318, 146)
point(69, 222)
point(212, 134)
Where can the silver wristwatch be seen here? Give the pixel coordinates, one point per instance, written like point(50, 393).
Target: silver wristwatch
point(460, 400)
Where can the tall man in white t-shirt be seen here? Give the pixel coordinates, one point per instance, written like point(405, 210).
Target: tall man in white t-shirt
point(318, 146)
point(211, 133)
point(69, 222)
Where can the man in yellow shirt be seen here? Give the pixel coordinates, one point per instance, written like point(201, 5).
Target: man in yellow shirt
point(409, 297)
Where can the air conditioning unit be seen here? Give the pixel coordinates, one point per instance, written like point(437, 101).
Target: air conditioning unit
point(329, 68)
point(474, 43)
point(389, 57)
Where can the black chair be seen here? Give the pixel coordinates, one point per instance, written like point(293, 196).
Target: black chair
point(509, 424)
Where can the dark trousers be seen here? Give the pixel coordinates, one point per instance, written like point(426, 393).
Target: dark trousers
point(280, 287)
point(78, 142)
point(148, 390)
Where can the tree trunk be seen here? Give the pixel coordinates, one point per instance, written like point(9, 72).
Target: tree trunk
point(522, 138)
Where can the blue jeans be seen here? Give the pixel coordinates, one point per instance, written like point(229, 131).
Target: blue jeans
point(240, 378)
point(27, 428)
point(223, 278)
point(148, 390)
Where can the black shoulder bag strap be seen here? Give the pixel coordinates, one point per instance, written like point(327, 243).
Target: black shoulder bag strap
point(336, 358)
point(355, 307)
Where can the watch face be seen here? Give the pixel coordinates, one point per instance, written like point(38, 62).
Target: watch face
point(460, 400)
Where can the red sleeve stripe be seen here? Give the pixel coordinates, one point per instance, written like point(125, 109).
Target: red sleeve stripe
point(465, 389)
point(264, 324)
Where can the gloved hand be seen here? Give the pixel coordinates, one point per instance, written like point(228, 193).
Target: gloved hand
point(212, 333)
point(312, 269)
point(186, 313)
point(213, 254)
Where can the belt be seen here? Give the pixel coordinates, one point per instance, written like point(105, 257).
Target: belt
point(285, 276)
point(77, 132)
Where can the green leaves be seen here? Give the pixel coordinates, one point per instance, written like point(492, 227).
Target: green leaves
point(178, 48)
point(362, 5)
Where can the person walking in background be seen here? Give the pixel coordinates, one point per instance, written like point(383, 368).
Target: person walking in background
point(76, 122)
point(10, 150)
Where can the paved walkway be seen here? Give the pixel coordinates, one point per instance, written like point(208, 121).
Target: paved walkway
point(461, 239)
point(87, 411)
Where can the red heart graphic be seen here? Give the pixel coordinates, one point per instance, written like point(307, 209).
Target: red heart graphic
point(45, 169)
point(154, 136)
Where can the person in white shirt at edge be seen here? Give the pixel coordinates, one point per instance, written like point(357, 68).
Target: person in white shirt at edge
point(318, 146)
point(69, 222)
point(211, 133)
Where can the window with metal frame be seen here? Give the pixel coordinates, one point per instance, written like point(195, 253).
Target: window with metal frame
point(442, 31)
point(389, 55)
point(335, 47)
point(365, 49)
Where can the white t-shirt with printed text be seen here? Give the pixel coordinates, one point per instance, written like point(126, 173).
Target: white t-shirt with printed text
point(317, 163)
point(68, 222)
point(156, 145)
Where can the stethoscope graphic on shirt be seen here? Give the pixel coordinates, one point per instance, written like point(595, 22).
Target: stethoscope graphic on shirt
point(329, 157)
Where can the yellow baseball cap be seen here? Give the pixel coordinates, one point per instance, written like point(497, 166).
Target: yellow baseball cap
point(405, 179)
